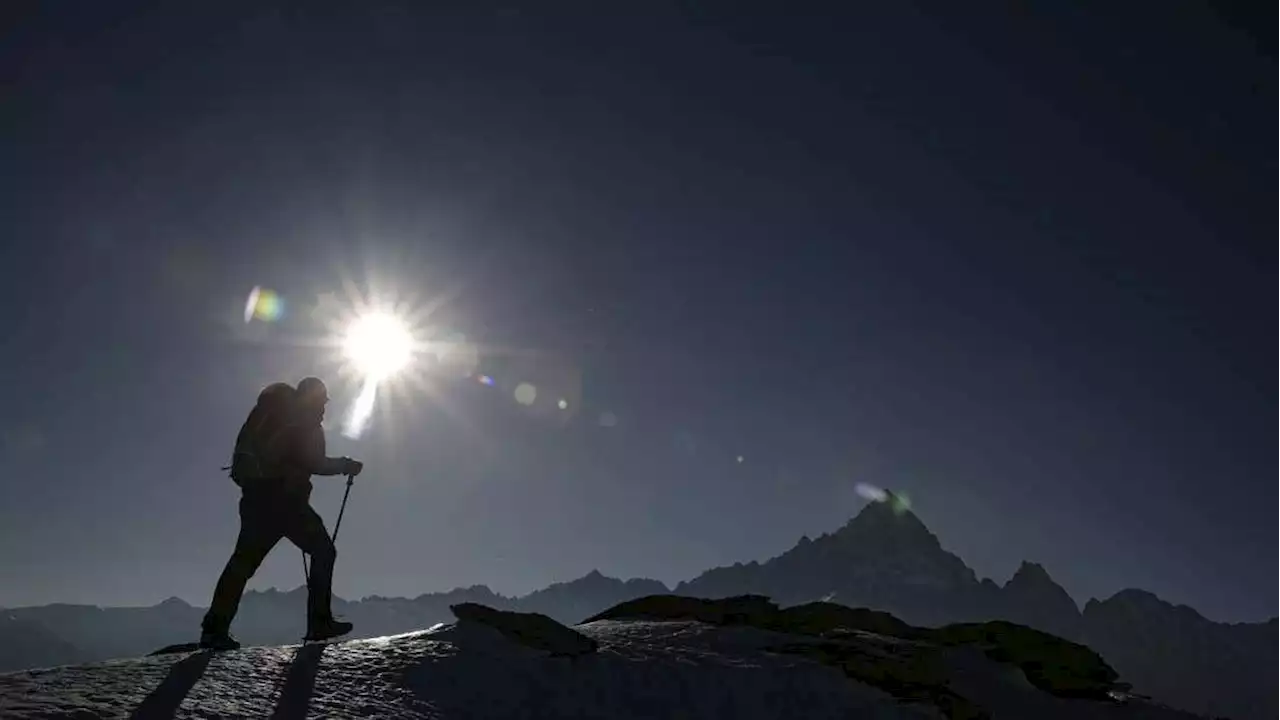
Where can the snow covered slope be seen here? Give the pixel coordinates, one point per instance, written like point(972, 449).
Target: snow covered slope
point(483, 668)
point(461, 671)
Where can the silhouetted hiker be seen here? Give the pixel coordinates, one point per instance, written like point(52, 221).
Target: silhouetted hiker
point(277, 451)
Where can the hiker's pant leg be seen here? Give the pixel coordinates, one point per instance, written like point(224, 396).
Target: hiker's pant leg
point(307, 531)
point(260, 530)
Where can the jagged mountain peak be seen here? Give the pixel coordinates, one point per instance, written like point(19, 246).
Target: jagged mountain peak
point(893, 508)
point(890, 521)
point(479, 591)
point(1030, 570)
point(595, 578)
point(597, 581)
point(884, 557)
point(1033, 577)
point(1033, 598)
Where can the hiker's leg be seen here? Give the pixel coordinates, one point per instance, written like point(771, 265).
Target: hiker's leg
point(307, 531)
point(259, 532)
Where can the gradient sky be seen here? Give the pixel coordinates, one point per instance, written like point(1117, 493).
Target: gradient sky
point(1014, 265)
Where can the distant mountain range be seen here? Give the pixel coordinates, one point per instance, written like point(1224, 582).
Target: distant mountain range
point(884, 558)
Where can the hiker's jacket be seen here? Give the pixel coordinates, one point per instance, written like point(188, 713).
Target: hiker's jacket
point(300, 449)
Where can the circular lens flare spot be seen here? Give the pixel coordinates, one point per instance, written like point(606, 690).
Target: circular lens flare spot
point(263, 304)
point(526, 393)
point(378, 345)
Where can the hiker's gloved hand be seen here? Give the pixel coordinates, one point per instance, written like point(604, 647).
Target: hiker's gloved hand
point(353, 467)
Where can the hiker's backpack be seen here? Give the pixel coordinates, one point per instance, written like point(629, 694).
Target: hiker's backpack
point(254, 456)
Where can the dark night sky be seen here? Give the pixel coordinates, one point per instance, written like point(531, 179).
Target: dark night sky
point(1015, 264)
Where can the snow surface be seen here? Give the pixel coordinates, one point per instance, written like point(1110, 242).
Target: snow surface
point(466, 670)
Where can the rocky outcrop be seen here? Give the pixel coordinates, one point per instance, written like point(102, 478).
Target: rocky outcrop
point(915, 670)
point(816, 618)
point(532, 630)
point(754, 610)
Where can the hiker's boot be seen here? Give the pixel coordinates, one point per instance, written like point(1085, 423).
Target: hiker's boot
point(214, 640)
point(326, 629)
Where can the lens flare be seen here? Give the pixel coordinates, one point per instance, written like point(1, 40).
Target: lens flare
point(526, 393)
point(362, 410)
point(378, 344)
point(871, 492)
point(898, 502)
point(263, 304)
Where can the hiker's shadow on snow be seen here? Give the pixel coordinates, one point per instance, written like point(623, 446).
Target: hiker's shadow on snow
point(163, 702)
point(299, 684)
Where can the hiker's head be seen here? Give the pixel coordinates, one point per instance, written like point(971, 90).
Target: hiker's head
point(312, 396)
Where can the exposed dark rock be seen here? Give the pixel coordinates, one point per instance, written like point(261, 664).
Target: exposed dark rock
point(826, 619)
point(907, 676)
point(529, 629)
point(742, 610)
point(910, 671)
point(1057, 666)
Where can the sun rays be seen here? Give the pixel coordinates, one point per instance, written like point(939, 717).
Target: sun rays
point(391, 352)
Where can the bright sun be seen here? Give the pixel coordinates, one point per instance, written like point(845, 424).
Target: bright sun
point(378, 345)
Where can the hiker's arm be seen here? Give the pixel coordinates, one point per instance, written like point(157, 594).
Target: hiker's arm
point(312, 458)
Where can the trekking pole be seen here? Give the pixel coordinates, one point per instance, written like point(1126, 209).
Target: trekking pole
point(306, 572)
point(343, 508)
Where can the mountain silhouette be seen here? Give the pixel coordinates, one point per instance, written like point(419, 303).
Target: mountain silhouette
point(575, 600)
point(1174, 653)
point(1033, 599)
point(884, 558)
point(26, 643)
